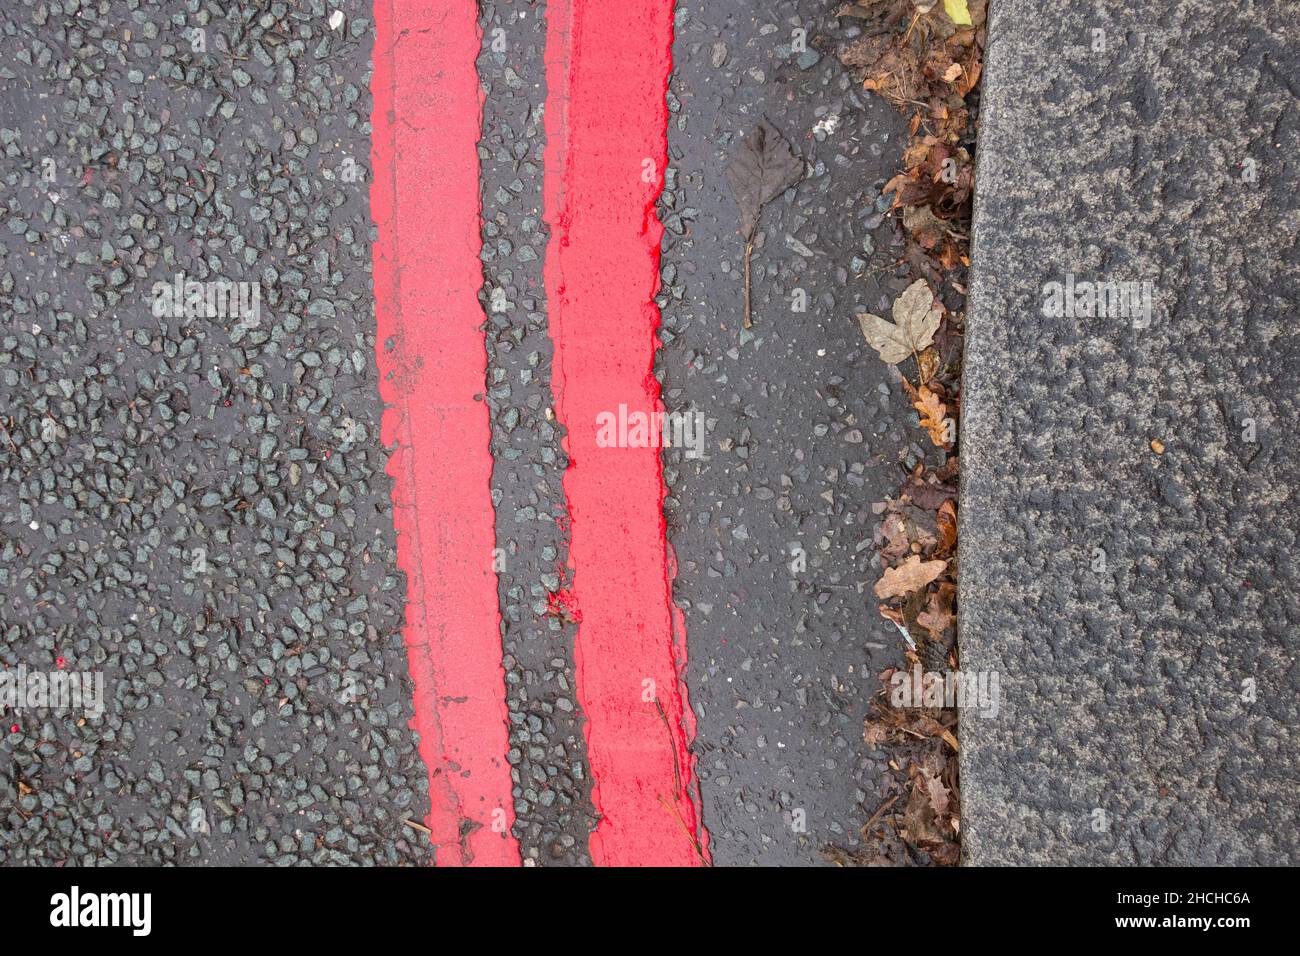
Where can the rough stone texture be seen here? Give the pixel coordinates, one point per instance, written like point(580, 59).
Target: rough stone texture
point(1124, 735)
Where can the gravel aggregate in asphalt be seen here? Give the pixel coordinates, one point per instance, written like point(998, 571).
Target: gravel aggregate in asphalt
point(547, 753)
point(195, 507)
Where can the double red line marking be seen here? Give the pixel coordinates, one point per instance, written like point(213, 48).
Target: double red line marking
point(607, 67)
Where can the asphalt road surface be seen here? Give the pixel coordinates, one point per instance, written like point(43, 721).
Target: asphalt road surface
point(387, 475)
point(300, 356)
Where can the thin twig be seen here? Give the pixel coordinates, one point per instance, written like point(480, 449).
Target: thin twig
point(672, 808)
point(866, 827)
point(10, 440)
point(677, 785)
point(911, 26)
point(672, 746)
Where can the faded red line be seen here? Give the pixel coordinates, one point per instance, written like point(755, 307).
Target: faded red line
point(432, 364)
point(607, 67)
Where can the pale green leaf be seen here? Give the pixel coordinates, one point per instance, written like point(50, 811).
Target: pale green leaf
point(957, 12)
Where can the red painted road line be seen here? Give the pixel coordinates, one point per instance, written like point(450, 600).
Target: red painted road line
point(607, 68)
point(427, 273)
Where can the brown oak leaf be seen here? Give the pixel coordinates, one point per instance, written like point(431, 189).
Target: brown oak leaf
point(933, 415)
point(912, 575)
point(937, 618)
point(946, 521)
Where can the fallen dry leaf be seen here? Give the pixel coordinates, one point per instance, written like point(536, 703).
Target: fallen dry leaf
point(946, 522)
point(929, 364)
point(912, 575)
point(938, 618)
point(896, 542)
point(922, 223)
point(916, 319)
point(933, 415)
point(874, 733)
point(937, 792)
point(972, 77)
point(763, 168)
point(919, 818)
point(926, 494)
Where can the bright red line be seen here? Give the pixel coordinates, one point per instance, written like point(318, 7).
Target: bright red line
point(427, 274)
point(607, 68)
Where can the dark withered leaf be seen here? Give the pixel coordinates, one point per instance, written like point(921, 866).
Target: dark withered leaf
point(928, 496)
point(764, 167)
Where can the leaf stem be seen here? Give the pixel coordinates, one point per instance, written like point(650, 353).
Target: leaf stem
point(749, 248)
